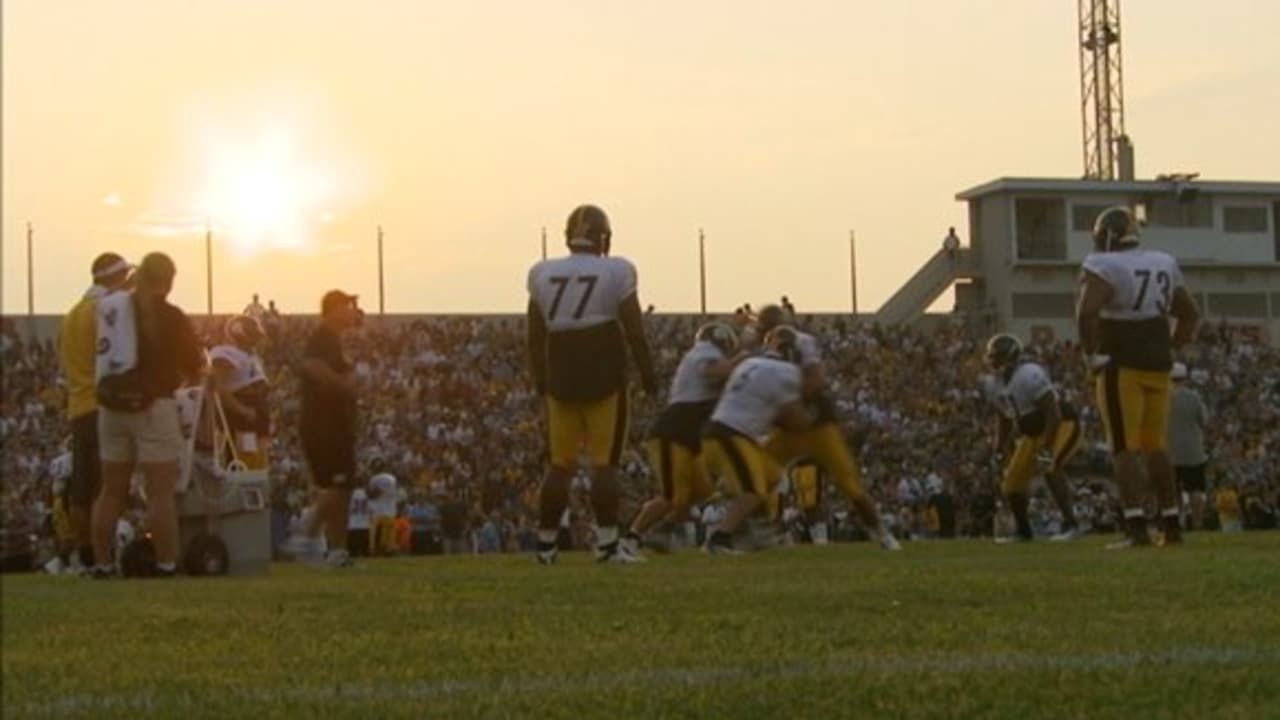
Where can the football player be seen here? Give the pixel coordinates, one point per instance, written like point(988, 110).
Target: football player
point(583, 314)
point(823, 441)
point(1128, 294)
point(1047, 431)
point(808, 489)
point(674, 446)
point(241, 384)
point(762, 392)
point(382, 508)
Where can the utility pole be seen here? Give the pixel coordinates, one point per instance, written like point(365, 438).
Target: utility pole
point(544, 242)
point(382, 307)
point(853, 274)
point(702, 270)
point(208, 269)
point(31, 273)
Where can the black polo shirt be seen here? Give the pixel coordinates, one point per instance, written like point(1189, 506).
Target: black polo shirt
point(328, 414)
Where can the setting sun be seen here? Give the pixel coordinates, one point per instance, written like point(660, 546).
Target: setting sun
point(259, 194)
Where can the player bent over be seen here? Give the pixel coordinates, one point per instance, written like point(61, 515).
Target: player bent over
point(1047, 429)
point(674, 446)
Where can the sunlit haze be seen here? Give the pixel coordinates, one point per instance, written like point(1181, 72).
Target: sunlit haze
point(294, 129)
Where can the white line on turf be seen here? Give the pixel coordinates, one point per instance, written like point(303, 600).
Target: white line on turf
point(690, 677)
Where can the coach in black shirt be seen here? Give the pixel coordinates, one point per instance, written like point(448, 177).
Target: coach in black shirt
point(328, 423)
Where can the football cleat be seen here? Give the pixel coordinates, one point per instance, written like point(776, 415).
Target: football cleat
point(549, 556)
point(1067, 535)
point(1012, 540)
point(889, 542)
point(618, 554)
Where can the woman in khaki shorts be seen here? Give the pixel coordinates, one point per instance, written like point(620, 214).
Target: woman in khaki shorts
point(150, 439)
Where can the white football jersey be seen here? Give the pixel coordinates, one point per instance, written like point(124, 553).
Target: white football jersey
point(756, 392)
point(246, 368)
point(358, 510)
point(691, 384)
point(581, 290)
point(1142, 282)
point(1020, 396)
point(809, 348)
point(385, 504)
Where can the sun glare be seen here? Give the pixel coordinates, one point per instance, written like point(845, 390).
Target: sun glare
point(260, 196)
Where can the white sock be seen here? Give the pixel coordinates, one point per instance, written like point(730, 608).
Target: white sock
point(548, 536)
point(166, 567)
point(606, 535)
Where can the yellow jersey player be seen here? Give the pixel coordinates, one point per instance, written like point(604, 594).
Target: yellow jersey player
point(762, 392)
point(824, 441)
point(1047, 430)
point(808, 488)
point(584, 312)
point(1128, 294)
point(241, 384)
point(674, 446)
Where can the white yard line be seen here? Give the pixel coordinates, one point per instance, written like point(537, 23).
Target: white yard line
point(665, 679)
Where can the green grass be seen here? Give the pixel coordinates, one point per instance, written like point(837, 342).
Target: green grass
point(944, 629)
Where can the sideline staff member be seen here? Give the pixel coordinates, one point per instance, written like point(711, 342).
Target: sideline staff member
point(77, 353)
point(328, 425)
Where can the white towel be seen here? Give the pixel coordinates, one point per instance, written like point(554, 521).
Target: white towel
point(117, 334)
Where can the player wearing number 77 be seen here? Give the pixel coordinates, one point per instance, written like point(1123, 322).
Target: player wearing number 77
point(1128, 293)
point(584, 312)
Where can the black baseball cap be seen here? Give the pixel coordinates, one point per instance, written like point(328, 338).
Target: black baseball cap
point(336, 299)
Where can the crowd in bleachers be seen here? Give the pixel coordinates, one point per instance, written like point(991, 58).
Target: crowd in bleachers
point(446, 406)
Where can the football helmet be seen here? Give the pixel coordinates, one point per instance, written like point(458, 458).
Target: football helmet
point(1115, 228)
point(1003, 351)
point(770, 317)
point(783, 342)
point(588, 229)
point(720, 334)
point(244, 331)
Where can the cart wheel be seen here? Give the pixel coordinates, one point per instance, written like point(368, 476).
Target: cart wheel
point(138, 559)
point(206, 555)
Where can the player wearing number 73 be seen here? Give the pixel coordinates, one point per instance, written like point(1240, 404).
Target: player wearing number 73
point(584, 312)
point(1128, 294)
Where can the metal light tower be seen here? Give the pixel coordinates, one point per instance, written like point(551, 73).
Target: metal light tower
point(1101, 87)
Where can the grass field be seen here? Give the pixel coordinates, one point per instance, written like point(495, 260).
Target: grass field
point(946, 629)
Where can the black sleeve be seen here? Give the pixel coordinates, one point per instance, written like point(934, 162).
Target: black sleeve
point(190, 353)
point(324, 346)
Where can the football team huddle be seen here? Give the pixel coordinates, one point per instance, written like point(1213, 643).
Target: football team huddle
point(749, 403)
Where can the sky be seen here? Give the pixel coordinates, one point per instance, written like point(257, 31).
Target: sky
point(295, 128)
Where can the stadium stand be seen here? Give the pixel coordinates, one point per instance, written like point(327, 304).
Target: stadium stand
point(449, 411)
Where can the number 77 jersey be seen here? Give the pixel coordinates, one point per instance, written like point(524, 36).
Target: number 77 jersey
point(1135, 325)
point(579, 297)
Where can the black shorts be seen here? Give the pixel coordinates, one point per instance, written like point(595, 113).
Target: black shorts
point(1190, 477)
point(331, 461)
point(358, 542)
point(86, 465)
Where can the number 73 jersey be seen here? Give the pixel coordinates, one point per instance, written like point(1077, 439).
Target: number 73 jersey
point(579, 297)
point(1135, 325)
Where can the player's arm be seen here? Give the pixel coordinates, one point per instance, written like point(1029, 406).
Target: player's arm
point(1094, 295)
point(1187, 314)
point(720, 370)
point(813, 379)
point(221, 377)
point(794, 418)
point(1048, 404)
point(1004, 435)
point(537, 346)
point(633, 326)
